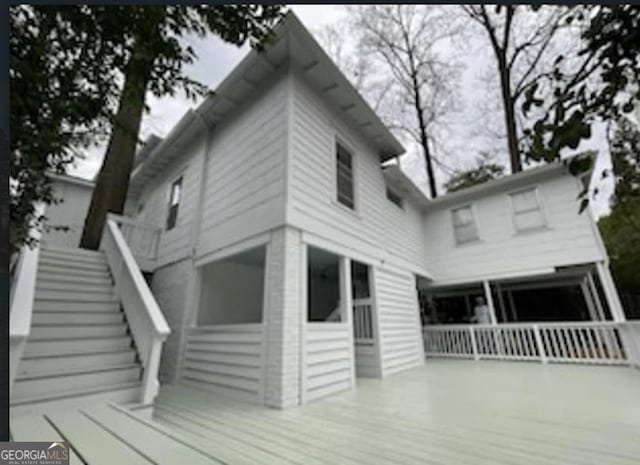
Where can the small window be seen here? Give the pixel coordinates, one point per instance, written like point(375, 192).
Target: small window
point(464, 226)
point(395, 198)
point(174, 203)
point(344, 170)
point(527, 214)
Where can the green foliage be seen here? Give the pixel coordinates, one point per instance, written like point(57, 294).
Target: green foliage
point(66, 68)
point(600, 84)
point(483, 172)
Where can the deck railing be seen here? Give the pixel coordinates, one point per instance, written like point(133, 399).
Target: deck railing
point(363, 321)
point(601, 342)
point(146, 321)
point(143, 239)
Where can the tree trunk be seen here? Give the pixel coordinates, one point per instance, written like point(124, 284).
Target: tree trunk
point(424, 140)
point(509, 116)
point(110, 191)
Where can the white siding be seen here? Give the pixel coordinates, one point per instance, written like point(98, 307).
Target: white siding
point(174, 244)
point(245, 173)
point(378, 227)
point(71, 212)
point(398, 320)
point(327, 359)
point(568, 239)
point(227, 359)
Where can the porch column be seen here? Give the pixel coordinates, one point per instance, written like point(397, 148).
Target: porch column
point(489, 299)
point(588, 299)
point(610, 292)
point(282, 318)
point(512, 305)
point(501, 304)
point(346, 299)
point(596, 297)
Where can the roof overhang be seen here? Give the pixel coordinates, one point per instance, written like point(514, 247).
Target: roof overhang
point(291, 45)
point(402, 185)
point(67, 178)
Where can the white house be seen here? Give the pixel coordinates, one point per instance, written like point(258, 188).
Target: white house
point(289, 255)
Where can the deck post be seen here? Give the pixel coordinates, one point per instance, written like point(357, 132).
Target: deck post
point(489, 299)
point(539, 344)
point(347, 310)
point(610, 292)
point(474, 344)
point(596, 296)
point(589, 300)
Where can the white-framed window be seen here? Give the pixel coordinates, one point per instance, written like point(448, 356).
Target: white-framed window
point(344, 176)
point(395, 198)
point(174, 203)
point(527, 211)
point(464, 225)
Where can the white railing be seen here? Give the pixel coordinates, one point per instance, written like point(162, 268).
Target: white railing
point(142, 239)
point(23, 288)
point(363, 321)
point(601, 342)
point(148, 326)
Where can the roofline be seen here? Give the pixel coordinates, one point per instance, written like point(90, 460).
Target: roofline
point(71, 179)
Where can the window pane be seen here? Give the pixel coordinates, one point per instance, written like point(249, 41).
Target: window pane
point(344, 176)
point(462, 216)
point(524, 201)
point(466, 233)
point(529, 220)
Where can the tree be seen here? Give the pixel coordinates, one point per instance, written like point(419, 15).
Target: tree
point(601, 86)
point(155, 60)
point(484, 171)
point(521, 40)
point(408, 40)
point(63, 81)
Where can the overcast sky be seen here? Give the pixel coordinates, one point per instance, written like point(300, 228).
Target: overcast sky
point(217, 59)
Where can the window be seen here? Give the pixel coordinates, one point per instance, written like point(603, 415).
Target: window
point(464, 226)
point(394, 198)
point(344, 174)
point(527, 213)
point(174, 202)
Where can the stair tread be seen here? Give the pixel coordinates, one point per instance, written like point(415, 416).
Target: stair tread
point(69, 339)
point(78, 354)
point(75, 393)
point(76, 325)
point(75, 372)
point(100, 299)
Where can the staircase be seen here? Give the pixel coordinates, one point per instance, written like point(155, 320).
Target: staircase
point(79, 350)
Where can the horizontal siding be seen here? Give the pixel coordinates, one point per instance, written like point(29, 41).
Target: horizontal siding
point(367, 361)
point(568, 240)
point(378, 226)
point(398, 320)
point(175, 243)
point(327, 359)
point(245, 180)
point(227, 359)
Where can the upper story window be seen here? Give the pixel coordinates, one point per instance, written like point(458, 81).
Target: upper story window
point(344, 175)
point(464, 225)
point(174, 203)
point(395, 198)
point(527, 213)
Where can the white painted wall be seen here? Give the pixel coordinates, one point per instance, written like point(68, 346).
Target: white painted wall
point(570, 237)
point(76, 196)
point(378, 228)
point(231, 293)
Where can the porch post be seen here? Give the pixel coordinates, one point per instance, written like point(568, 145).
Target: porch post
point(501, 304)
point(610, 292)
point(512, 304)
point(489, 299)
point(346, 299)
point(588, 299)
point(596, 296)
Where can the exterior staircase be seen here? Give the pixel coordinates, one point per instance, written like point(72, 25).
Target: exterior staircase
point(80, 349)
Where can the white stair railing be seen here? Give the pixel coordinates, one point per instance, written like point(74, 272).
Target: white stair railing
point(23, 289)
point(593, 342)
point(142, 239)
point(148, 326)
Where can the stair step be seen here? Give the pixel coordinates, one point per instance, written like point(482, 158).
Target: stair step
point(103, 287)
point(79, 294)
point(40, 386)
point(55, 277)
point(65, 271)
point(75, 251)
point(72, 265)
point(48, 255)
point(122, 392)
point(33, 365)
point(90, 318)
point(69, 331)
point(105, 305)
point(76, 346)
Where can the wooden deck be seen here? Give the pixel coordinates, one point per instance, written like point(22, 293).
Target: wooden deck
point(449, 412)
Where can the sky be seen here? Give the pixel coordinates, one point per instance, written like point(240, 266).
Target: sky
point(466, 138)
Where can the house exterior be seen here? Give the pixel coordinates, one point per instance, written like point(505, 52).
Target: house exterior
point(289, 254)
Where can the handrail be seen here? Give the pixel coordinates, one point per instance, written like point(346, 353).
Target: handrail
point(526, 325)
point(23, 288)
point(148, 325)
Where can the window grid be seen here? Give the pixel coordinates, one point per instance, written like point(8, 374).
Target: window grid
point(344, 175)
point(464, 227)
point(174, 203)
